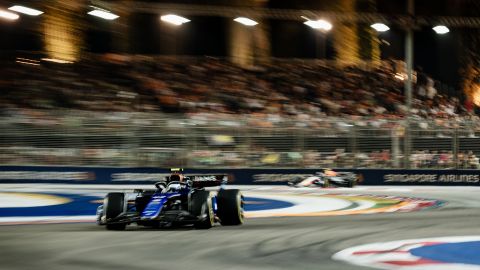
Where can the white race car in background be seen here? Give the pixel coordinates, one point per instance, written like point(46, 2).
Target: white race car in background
point(327, 178)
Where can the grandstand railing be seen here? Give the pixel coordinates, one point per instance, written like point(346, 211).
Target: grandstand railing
point(81, 138)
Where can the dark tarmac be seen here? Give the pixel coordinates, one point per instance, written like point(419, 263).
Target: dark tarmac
point(261, 243)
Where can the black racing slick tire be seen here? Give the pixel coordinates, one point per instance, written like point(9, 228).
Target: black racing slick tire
point(200, 205)
point(114, 205)
point(326, 183)
point(230, 207)
point(352, 183)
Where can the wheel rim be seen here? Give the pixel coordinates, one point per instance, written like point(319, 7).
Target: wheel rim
point(240, 207)
point(210, 211)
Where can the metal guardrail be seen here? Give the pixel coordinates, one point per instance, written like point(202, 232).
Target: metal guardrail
point(232, 141)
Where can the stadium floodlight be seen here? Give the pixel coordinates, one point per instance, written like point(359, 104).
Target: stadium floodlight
point(58, 61)
point(26, 10)
point(319, 24)
point(8, 15)
point(380, 27)
point(400, 76)
point(441, 29)
point(246, 21)
point(27, 61)
point(174, 19)
point(104, 14)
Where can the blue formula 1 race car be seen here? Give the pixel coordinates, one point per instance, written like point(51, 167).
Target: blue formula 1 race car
point(179, 200)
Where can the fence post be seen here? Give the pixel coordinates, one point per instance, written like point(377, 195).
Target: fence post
point(407, 144)
point(354, 142)
point(395, 147)
point(455, 147)
point(133, 129)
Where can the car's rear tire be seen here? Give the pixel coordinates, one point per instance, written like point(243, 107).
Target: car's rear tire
point(230, 207)
point(352, 183)
point(114, 205)
point(200, 205)
point(326, 183)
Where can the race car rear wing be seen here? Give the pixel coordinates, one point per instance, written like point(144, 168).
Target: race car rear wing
point(205, 180)
point(199, 180)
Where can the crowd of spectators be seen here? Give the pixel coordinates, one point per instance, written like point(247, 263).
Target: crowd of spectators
point(318, 95)
point(444, 160)
point(299, 89)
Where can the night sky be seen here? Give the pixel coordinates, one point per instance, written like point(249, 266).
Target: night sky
point(436, 55)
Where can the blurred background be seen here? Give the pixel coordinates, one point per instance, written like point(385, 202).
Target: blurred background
point(241, 84)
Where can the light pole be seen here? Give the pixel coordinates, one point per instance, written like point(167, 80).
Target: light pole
point(379, 27)
point(439, 29)
point(408, 81)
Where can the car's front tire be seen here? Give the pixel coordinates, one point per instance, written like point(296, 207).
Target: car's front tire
point(114, 205)
point(200, 205)
point(351, 183)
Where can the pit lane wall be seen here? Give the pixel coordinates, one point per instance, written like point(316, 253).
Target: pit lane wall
point(104, 175)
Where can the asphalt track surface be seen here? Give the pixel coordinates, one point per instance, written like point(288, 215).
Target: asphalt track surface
point(261, 243)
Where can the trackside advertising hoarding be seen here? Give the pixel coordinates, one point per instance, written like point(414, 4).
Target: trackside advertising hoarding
point(105, 175)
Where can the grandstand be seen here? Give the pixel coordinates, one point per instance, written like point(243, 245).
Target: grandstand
point(212, 85)
point(245, 109)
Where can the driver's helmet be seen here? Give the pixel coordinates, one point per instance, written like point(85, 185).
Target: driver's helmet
point(330, 172)
point(177, 175)
point(175, 180)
